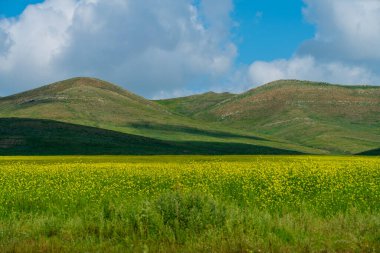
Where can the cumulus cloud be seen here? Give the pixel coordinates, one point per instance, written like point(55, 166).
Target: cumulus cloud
point(146, 46)
point(344, 49)
point(32, 41)
point(347, 30)
point(307, 68)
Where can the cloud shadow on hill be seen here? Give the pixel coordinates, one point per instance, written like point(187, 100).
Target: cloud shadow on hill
point(20, 136)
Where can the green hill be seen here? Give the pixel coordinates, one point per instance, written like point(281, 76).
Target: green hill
point(84, 101)
point(45, 137)
point(92, 102)
point(95, 103)
point(306, 117)
point(339, 119)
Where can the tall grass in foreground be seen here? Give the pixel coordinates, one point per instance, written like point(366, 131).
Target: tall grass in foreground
point(190, 204)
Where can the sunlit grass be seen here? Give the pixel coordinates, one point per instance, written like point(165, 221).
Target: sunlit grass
point(219, 204)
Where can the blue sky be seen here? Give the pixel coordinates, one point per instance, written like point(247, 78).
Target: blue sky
point(11, 8)
point(180, 47)
point(264, 24)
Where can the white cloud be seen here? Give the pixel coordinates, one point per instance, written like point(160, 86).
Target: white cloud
point(344, 50)
point(32, 41)
point(217, 16)
point(346, 29)
point(147, 46)
point(307, 68)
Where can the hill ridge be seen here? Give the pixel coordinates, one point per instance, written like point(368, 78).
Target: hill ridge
point(59, 87)
point(283, 82)
point(77, 98)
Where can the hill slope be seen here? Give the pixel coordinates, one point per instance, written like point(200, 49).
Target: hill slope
point(191, 105)
point(95, 103)
point(83, 100)
point(341, 119)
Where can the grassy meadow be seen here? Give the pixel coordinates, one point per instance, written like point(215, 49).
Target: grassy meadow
point(190, 204)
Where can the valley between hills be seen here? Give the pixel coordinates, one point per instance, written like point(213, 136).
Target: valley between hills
point(87, 116)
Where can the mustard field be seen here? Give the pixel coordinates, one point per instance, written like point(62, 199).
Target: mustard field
point(190, 204)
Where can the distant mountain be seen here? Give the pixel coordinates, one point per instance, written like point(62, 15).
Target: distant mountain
point(336, 118)
point(95, 103)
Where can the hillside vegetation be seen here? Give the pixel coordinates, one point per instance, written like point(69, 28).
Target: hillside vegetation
point(195, 104)
point(340, 119)
point(85, 101)
point(306, 117)
point(96, 103)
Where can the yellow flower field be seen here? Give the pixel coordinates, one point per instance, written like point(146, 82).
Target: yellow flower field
point(248, 197)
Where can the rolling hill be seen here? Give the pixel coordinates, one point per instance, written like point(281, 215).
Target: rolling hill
point(306, 117)
point(336, 118)
point(84, 101)
point(95, 103)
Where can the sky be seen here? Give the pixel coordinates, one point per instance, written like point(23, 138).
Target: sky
point(172, 48)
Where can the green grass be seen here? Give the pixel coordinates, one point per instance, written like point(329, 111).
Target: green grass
point(192, 105)
point(190, 204)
